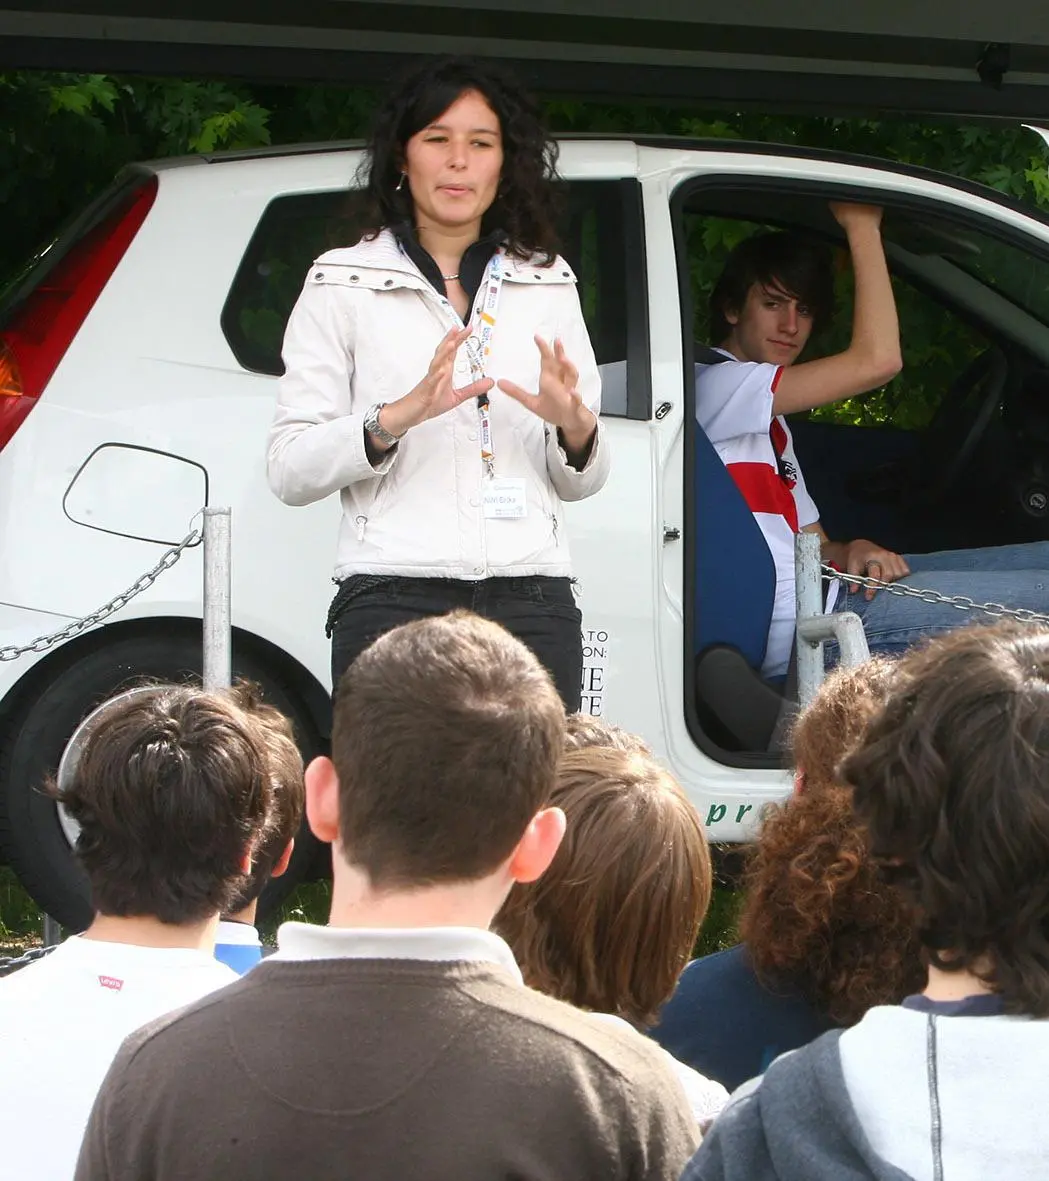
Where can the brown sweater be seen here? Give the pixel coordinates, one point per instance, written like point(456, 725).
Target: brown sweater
point(371, 1069)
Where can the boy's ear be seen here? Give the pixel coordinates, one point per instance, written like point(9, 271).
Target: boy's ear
point(322, 799)
point(283, 860)
point(539, 845)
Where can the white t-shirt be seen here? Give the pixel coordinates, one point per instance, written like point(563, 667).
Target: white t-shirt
point(705, 1096)
point(62, 1020)
point(734, 409)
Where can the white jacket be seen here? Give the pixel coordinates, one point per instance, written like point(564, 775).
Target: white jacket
point(364, 330)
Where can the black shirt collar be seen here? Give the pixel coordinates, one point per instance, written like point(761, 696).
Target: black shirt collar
point(985, 1004)
point(471, 266)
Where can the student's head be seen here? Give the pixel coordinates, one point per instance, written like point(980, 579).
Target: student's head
point(445, 741)
point(170, 791)
point(952, 780)
point(774, 290)
point(276, 841)
point(584, 730)
point(818, 915)
point(611, 924)
point(459, 142)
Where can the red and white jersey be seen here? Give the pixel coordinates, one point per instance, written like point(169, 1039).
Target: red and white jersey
point(734, 408)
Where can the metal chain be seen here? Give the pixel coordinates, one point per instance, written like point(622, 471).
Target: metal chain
point(960, 602)
point(42, 643)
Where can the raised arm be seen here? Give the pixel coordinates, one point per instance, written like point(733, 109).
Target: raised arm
point(873, 356)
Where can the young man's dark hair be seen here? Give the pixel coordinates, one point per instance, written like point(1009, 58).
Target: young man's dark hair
point(952, 782)
point(492, 726)
point(797, 266)
point(170, 791)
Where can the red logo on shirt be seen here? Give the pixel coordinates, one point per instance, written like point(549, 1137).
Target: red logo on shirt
point(111, 982)
point(765, 492)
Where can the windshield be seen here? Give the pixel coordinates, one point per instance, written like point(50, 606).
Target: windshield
point(1012, 271)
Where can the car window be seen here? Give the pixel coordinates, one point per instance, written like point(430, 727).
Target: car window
point(937, 346)
point(601, 236)
point(1011, 270)
point(292, 232)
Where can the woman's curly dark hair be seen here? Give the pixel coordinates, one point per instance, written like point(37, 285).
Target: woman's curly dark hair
point(819, 916)
point(526, 205)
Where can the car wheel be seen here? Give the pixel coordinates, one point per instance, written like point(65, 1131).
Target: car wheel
point(31, 835)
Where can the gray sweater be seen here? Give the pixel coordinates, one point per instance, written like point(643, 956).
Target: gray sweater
point(859, 1105)
point(386, 1069)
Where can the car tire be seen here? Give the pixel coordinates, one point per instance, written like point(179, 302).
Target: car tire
point(31, 836)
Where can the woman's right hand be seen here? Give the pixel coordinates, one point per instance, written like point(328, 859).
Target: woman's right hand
point(435, 394)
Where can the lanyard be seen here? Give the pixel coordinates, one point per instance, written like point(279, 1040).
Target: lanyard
point(478, 347)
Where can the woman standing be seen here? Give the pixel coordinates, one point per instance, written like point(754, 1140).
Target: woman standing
point(439, 375)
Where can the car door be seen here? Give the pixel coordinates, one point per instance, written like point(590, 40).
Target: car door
point(997, 291)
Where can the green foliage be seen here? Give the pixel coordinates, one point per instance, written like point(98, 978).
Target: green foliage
point(309, 902)
point(719, 927)
point(64, 136)
point(21, 922)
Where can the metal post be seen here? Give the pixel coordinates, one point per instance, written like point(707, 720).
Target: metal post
point(814, 628)
point(810, 605)
point(218, 564)
point(52, 931)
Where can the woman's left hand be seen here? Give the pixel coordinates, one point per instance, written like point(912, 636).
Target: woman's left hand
point(557, 400)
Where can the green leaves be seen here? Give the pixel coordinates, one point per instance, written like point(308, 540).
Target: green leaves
point(191, 116)
point(64, 136)
point(82, 93)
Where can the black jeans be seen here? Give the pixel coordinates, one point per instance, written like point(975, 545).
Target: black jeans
point(540, 612)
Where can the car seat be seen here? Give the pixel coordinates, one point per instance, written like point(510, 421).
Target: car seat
point(734, 586)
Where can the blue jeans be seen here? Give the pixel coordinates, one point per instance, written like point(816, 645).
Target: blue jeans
point(1013, 575)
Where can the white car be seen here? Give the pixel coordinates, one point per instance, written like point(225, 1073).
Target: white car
point(138, 359)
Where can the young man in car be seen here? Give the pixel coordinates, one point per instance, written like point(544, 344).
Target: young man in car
point(399, 1041)
point(774, 290)
point(169, 792)
point(951, 781)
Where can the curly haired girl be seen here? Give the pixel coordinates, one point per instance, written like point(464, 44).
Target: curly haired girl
point(824, 935)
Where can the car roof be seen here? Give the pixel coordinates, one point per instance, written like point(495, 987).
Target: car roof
point(678, 143)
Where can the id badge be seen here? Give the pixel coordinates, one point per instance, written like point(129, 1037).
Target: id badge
point(504, 499)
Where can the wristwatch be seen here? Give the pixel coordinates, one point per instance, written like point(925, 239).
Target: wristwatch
point(374, 427)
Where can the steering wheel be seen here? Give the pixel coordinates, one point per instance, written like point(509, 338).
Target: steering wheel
point(960, 422)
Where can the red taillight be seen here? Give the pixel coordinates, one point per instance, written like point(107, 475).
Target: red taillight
point(42, 324)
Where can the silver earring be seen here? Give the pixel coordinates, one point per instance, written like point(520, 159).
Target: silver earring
point(400, 183)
